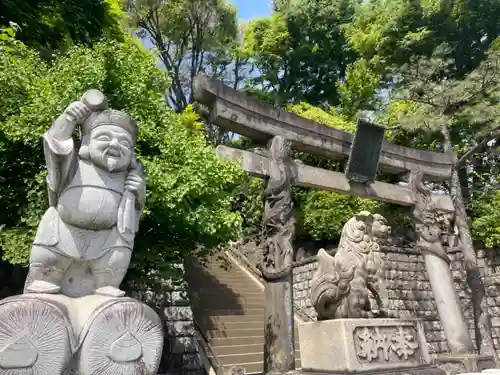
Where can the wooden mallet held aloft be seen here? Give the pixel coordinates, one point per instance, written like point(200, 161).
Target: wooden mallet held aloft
point(95, 100)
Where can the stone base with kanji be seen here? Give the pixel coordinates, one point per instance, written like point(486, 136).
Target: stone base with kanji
point(362, 345)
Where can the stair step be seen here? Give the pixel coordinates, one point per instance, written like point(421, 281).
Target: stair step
point(253, 335)
point(234, 273)
point(214, 333)
point(252, 368)
point(237, 318)
point(222, 282)
point(226, 277)
point(249, 340)
point(232, 278)
point(235, 289)
point(226, 326)
point(229, 309)
point(240, 358)
point(244, 349)
point(227, 341)
point(207, 294)
point(230, 306)
point(227, 312)
point(237, 349)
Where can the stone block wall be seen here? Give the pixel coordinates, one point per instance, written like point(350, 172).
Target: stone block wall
point(490, 261)
point(408, 288)
point(180, 352)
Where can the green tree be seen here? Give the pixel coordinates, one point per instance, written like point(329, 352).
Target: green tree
point(189, 200)
point(322, 214)
point(300, 51)
point(440, 63)
point(389, 32)
point(486, 219)
point(53, 25)
point(358, 89)
point(191, 36)
point(461, 113)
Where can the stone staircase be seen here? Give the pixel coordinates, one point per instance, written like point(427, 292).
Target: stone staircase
point(228, 308)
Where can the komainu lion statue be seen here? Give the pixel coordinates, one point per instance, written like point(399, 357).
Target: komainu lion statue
point(342, 284)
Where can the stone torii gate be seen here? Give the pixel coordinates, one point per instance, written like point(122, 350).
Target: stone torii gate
point(240, 113)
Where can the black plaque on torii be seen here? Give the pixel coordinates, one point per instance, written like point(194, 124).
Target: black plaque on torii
point(365, 152)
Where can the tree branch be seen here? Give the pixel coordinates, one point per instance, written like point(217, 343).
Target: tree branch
point(493, 134)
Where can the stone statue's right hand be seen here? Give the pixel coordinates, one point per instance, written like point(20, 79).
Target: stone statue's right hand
point(77, 112)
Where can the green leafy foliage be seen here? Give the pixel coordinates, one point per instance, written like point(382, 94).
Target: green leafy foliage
point(358, 89)
point(51, 25)
point(486, 222)
point(190, 190)
point(191, 36)
point(325, 213)
point(435, 61)
point(441, 64)
point(322, 214)
point(249, 203)
point(267, 41)
point(322, 116)
point(300, 51)
point(394, 31)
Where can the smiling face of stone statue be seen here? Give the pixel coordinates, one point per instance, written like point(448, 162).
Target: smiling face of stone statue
point(111, 148)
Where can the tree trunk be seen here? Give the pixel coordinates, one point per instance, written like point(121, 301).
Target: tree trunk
point(482, 321)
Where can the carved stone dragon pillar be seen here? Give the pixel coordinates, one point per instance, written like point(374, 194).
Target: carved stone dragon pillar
point(278, 232)
point(437, 264)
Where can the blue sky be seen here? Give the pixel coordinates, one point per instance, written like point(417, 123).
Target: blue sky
point(248, 9)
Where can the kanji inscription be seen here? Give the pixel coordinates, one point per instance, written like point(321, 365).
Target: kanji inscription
point(377, 343)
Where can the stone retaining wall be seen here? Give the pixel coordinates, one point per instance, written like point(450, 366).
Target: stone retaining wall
point(490, 261)
point(410, 294)
point(180, 352)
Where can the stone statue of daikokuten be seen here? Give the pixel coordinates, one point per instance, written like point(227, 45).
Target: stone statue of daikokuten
point(96, 197)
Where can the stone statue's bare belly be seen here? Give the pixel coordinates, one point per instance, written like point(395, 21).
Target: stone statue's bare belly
point(89, 207)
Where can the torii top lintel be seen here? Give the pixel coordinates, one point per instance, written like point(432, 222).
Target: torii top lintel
point(240, 113)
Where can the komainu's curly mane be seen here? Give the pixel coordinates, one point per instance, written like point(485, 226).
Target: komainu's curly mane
point(342, 284)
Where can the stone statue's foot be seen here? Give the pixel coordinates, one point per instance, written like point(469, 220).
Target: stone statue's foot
point(44, 287)
point(110, 291)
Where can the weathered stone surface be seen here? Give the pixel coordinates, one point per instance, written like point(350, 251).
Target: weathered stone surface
point(180, 328)
point(342, 285)
point(180, 353)
point(410, 295)
point(323, 179)
point(429, 241)
point(404, 301)
point(245, 115)
point(462, 363)
point(174, 313)
point(353, 345)
point(96, 194)
point(420, 370)
point(74, 319)
point(278, 225)
point(87, 333)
